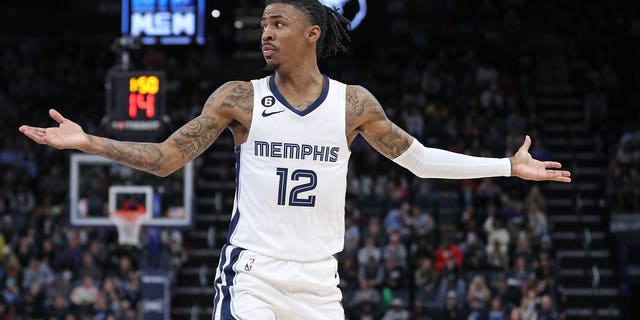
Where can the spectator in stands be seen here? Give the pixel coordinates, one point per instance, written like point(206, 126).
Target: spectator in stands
point(101, 309)
point(537, 224)
point(12, 274)
point(59, 287)
point(12, 293)
point(394, 221)
point(515, 314)
point(125, 267)
point(425, 277)
point(24, 206)
point(528, 308)
point(475, 310)
point(60, 309)
point(508, 293)
point(365, 310)
point(374, 230)
point(366, 294)
point(397, 311)
point(545, 267)
point(54, 184)
point(372, 273)
point(25, 250)
point(469, 219)
point(488, 195)
point(479, 292)
point(498, 239)
point(511, 209)
point(535, 195)
point(351, 236)
point(546, 310)
point(448, 284)
point(132, 290)
point(395, 249)
point(32, 305)
point(423, 196)
point(451, 311)
point(548, 286)
point(370, 250)
point(37, 272)
point(419, 222)
point(422, 311)
point(520, 274)
point(448, 209)
point(523, 248)
point(394, 277)
point(89, 268)
point(83, 296)
point(111, 292)
point(447, 251)
point(414, 122)
point(473, 249)
point(348, 271)
point(71, 257)
point(497, 311)
point(421, 248)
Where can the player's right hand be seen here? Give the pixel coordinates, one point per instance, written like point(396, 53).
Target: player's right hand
point(67, 135)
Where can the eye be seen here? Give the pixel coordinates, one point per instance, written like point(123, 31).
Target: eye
point(279, 25)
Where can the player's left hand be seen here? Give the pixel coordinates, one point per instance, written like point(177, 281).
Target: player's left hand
point(523, 165)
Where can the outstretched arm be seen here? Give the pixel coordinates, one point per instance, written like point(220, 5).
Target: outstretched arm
point(366, 116)
point(161, 158)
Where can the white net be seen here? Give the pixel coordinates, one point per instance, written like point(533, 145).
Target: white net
point(128, 224)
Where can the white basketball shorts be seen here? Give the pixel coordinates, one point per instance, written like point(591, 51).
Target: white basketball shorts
point(251, 286)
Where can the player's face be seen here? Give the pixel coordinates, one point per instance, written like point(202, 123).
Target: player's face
point(285, 35)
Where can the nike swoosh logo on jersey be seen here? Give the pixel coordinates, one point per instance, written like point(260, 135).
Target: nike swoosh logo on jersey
point(265, 114)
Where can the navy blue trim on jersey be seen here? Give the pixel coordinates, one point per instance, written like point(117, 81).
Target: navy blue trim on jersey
point(311, 107)
point(224, 291)
point(218, 281)
point(229, 275)
point(236, 215)
point(233, 225)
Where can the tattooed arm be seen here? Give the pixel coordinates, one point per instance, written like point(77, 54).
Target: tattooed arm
point(161, 158)
point(365, 116)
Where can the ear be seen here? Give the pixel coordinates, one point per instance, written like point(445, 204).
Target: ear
point(313, 33)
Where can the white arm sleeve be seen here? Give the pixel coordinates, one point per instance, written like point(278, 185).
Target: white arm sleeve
point(437, 163)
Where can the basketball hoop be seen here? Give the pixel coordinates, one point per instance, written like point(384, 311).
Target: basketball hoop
point(130, 214)
point(128, 224)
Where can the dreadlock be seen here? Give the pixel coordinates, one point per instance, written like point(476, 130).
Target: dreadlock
point(333, 34)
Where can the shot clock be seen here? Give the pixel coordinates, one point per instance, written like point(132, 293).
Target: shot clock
point(135, 104)
point(142, 95)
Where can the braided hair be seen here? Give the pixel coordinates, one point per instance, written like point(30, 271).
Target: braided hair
point(333, 34)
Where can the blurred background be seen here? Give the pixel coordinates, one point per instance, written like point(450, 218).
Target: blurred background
point(466, 76)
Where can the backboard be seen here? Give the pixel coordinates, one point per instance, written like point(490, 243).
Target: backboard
point(99, 186)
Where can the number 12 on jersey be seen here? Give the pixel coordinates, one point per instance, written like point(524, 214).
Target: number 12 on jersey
point(294, 195)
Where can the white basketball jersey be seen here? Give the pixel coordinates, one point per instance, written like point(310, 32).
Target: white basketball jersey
point(291, 176)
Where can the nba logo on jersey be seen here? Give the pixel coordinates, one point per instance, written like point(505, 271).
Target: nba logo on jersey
point(249, 265)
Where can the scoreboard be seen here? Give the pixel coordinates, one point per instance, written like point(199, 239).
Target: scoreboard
point(135, 102)
point(166, 22)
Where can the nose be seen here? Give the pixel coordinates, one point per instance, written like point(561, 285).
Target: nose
point(267, 34)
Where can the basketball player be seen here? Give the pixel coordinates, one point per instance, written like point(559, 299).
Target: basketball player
point(292, 132)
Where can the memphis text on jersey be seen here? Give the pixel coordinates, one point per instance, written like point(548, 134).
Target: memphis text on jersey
point(286, 150)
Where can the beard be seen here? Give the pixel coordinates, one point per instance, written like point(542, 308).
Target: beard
point(271, 67)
